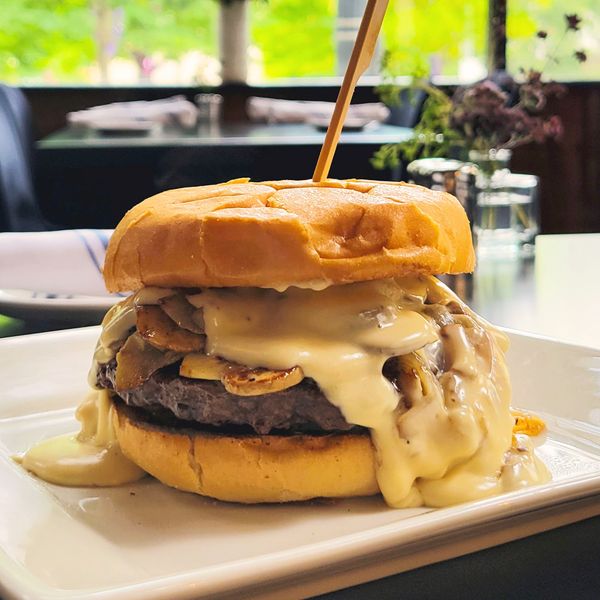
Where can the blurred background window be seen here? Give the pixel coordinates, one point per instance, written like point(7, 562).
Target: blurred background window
point(527, 17)
point(118, 42)
point(314, 38)
point(175, 42)
point(292, 38)
point(440, 37)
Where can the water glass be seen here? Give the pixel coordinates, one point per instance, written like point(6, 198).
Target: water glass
point(209, 108)
point(505, 222)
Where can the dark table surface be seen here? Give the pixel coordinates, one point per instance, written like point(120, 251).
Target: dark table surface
point(224, 134)
point(555, 295)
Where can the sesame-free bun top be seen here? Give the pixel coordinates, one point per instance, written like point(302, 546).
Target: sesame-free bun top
point(281, 233)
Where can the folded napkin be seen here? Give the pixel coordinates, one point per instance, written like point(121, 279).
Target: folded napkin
point(274, 110)
point(54, 262)
point(175, 109)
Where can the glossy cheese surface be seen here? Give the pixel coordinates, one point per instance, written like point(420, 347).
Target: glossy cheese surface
point(441, 426)
point(91, 457)
point(441, 439)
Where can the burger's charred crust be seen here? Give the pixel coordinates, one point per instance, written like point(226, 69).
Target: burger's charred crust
point(301, 408)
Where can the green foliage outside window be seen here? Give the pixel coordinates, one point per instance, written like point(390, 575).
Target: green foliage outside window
point(59, 42)
point(295, 37)
point(169, 26)
point(39, 36)
point(73, 41)
point(434, 34)
point(526, 17)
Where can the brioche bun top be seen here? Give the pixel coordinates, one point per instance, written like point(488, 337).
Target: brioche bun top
point(281, 233)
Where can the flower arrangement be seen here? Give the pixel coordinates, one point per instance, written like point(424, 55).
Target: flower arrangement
point(496, 113)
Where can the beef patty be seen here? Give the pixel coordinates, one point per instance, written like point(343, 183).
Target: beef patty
point(301, 408)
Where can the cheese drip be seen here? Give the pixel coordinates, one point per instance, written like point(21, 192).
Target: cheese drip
point(442, 440)
point(91, 457)
point(117, 323)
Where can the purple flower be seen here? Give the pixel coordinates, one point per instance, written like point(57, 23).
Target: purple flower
point(481, 112)
point(552, 88)
point(533, 77)
point(553, 127)
point(484, 115)
point(573, 22)
point(532, 97)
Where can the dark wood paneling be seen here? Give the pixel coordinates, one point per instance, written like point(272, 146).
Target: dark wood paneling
point(569, 169)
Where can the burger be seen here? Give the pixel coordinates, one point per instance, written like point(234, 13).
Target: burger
point(288, 340)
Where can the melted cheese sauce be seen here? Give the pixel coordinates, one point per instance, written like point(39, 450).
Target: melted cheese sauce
point(442, 436)
point(449, 444)
point(90, 458)
point(93, 457)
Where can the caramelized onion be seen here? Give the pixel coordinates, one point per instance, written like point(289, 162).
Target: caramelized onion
point(137, 360)
point(163, 333)
point(182, 312)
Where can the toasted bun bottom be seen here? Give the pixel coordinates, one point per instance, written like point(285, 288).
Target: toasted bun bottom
point(250, 468)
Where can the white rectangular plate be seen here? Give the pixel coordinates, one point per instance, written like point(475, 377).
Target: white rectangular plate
point(147, 541)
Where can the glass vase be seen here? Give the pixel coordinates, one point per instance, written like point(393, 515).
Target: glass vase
point(505, 219)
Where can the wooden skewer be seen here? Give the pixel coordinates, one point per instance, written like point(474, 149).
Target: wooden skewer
point(362, 53)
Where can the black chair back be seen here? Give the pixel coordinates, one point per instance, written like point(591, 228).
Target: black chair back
point(18, 206)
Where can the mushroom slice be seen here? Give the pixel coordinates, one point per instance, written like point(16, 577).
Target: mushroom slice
point(181, 311)
point(201, 366)
point(162, 332)
point(410, 376)
point(243, 381)
point(137, 360)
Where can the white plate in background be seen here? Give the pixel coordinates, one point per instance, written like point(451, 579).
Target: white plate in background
point(28, 305)
point(148, 541)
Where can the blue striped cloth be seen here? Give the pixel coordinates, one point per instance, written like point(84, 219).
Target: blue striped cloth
point(54, 262)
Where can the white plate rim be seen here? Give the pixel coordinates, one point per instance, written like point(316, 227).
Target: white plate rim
point(238, 574)
point(283, 563)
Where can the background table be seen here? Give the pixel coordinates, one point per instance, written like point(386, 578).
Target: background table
point(85, 179)
point(556, 295)
point(219, 135)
